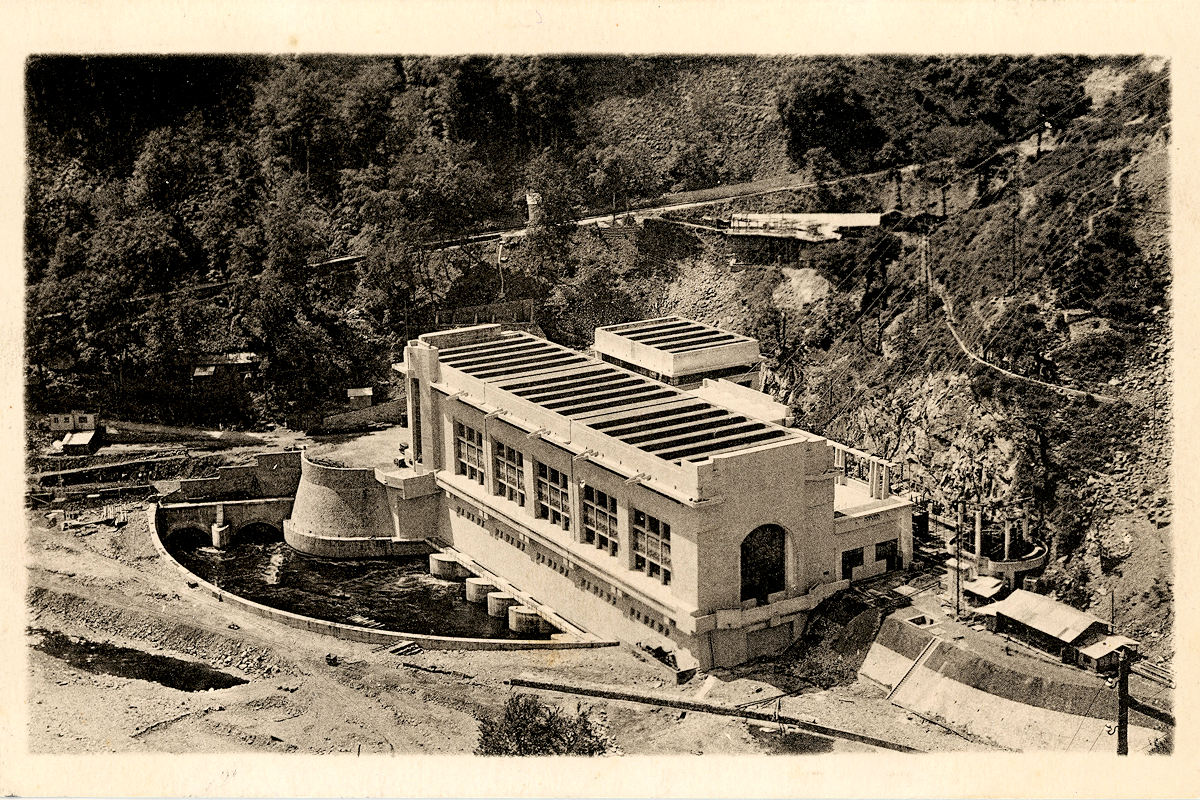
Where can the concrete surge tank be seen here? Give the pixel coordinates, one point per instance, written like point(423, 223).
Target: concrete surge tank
point(358, 512)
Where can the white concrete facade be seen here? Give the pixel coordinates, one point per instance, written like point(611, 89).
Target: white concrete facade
point(681, 352)
point(634, 500)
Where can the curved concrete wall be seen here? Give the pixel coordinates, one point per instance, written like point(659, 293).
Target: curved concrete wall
point(342, 512)
point(337, 502)
point(357, 633)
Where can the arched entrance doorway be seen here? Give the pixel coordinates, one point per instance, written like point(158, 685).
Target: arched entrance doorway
point(764, 562)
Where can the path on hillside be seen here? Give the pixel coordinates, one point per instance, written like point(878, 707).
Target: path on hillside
point(948, 310)
point(679, 202)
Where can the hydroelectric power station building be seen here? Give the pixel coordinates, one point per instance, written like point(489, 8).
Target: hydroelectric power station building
point(635, 509)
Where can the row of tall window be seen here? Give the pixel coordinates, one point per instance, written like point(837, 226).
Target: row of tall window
point(650, 537)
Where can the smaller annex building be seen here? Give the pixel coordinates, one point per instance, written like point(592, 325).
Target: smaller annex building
point(681, 352)
point(635, 508)
point(1059, 629)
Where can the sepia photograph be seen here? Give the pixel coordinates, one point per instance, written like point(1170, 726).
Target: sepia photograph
point(598, 404)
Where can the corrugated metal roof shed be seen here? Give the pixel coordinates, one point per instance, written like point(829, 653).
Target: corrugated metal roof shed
point(1108, 644)
point(1044, 614)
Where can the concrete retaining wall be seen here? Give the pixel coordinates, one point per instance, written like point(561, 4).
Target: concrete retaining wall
point(393, 411)
point(992, 702)
point(271, 475)
point(356, 633)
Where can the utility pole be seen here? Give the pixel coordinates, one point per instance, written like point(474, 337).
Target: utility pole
point(500, 265)
point(1123, 704)
point(958, 562)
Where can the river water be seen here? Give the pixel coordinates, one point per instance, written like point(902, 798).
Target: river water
point(395, 593)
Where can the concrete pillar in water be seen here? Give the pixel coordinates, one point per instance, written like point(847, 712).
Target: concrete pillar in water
point(221, 536)
point(978, 534)
point(523, 619)
point(499, 602)
point(445, 567)
point(478, 590)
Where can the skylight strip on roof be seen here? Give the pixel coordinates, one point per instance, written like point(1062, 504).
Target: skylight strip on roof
point(699, 453)
point(688, 416)
point(729, 430)
point(514, 337)
point(518, 359)
point(547, 371)
point(603, 393)
point(691, 348)
point(513, 370)
point(609, 422)
point(646, 324)
point(539, 394)
point(705, 343)
point(677, 428)
point(653, 330)
point(511, 352)
point(567, 375)
point(617, 403)
point(684, 329)
point(689, 338)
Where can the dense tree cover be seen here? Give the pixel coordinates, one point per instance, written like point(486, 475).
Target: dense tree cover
point(153, 178)
point(873, 112)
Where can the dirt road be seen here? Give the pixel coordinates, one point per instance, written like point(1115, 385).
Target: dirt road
point(111, 586)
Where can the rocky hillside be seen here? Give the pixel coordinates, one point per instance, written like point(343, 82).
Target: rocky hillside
point(1056, 267)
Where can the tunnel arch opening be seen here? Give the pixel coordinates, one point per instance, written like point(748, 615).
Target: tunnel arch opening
point(259, 532)
point(186, 536)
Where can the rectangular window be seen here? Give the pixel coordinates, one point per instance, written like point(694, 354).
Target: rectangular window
point(553, 496)
point(600, 519)
point(415, 393)
point(850, 560)
point(651, 542)
point(508, 467)
point(468, 452)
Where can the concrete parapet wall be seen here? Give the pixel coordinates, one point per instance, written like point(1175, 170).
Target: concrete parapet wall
point(272, 475)
point(342, 547)
point(991, 701)
point(356, 633)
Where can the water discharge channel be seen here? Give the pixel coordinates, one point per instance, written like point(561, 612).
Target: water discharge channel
point(394, 594)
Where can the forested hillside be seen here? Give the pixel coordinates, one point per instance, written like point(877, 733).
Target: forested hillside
point(183, 206)
point(151, 176)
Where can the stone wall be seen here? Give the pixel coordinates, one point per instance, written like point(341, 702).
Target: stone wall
point(271, 475)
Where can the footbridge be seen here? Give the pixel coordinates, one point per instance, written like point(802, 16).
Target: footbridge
point(224, 520)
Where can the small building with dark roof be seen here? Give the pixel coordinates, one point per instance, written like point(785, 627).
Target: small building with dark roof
point(1061, 630)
